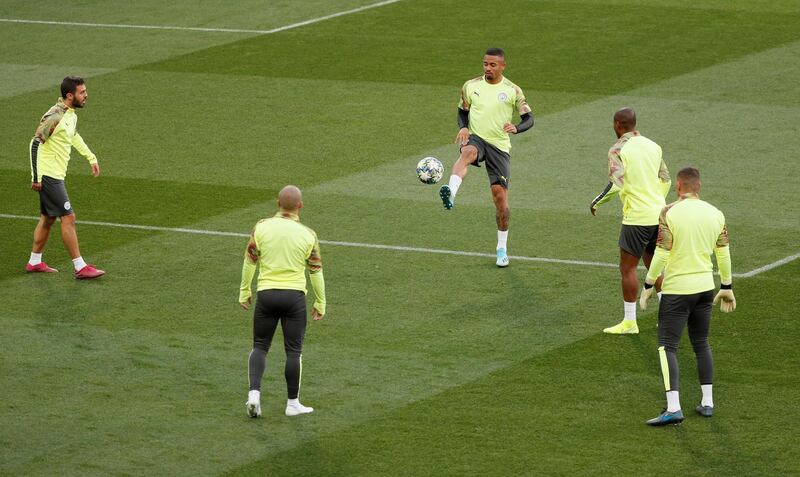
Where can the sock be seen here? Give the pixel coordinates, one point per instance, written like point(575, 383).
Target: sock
point(79, 263)
point(630, 310)
point(455, 183)
point(673, 401)
point(707, 396)
point(502, 238)
point(36, 259)
point(254, 396)
point(659, 296)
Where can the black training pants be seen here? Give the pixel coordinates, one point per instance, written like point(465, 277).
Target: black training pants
point(675, 312)
point(289, 308)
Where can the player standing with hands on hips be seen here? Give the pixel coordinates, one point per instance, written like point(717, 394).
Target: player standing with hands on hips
point(689, 231)
point(282, 248)
point(49, 152)
point(485, 112)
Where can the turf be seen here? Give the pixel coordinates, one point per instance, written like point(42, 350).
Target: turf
point(427, 364)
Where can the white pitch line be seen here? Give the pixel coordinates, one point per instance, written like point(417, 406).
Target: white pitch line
point(769, 266)
point(213, 30)
point(400, 248)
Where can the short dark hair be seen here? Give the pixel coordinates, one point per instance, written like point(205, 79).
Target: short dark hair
point(70, 84)
point(688, 175)
point(496, 52)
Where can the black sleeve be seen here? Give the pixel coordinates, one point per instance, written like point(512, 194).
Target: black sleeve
point(526, 123)
point(35, 159)
point(602, 194)
point(463, 118)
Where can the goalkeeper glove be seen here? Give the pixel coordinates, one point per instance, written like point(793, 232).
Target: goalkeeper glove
point(647, 292)
point(728, 300)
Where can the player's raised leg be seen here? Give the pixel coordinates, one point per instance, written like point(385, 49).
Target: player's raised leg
point(447, 192)
point(502, 216)
point(40, 235)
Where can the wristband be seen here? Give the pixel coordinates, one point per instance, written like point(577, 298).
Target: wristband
point(647, 286)
point(729, 286)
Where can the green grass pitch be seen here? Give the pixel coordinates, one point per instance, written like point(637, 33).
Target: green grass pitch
point(427, 364)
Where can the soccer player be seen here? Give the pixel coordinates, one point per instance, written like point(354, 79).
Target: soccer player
point(689, 230)
point(485, 112)
point(282, 248)
point(50, 150)
point(637, 172)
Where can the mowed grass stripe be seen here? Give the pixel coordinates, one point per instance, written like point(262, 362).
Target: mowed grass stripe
point(591, 394)
point(399, 248)
point(310, 21)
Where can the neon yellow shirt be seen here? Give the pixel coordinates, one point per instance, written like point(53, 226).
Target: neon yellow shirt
point(57, 133)
point(490, 107)
point(283, 249)
point(689, 230)
point(638, 173)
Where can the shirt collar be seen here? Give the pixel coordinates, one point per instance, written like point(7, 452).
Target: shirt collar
point(288, 215)
point(690, 195)
point(629, 134)
point(60, 104)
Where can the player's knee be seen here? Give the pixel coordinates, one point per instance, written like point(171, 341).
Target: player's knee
point(700, 345)
point(469, 154)
point(261, 344)
point(627, 268)
point(68, 219)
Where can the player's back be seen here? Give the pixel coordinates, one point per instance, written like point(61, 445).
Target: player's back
point(642, 194)
point(284, 245)
point(695, 227)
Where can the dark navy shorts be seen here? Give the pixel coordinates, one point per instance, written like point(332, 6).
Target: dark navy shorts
point(638, 239)
point(498, 163)
point(53, 198)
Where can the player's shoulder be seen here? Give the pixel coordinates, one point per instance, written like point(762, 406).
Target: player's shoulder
point(473, 82)
point(644, 139)
point(308, 230)
point(712, 208)
point(510, 84)
point(669, 207)
point(56, 112)
point(261, 224)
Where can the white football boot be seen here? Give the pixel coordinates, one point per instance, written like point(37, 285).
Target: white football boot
point(254, 404)
point(294, 408)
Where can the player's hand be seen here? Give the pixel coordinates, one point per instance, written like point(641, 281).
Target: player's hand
point(36, 186)
point(462, 137)
point(315, 315)
point(593, 209)
point(728, 300)
point(95, 169)
point(647, 292)
point(246, 304)
point(510, 128)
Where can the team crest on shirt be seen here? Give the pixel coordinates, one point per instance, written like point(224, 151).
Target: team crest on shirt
point(502, 97)
point(67, 205)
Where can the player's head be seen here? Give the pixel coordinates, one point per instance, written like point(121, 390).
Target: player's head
point(290, 199)
point(73, 90)
point(624, 121)
point(494, 62)
point(687, 181)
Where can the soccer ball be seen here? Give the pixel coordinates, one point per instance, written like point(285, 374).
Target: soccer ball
point(430, 170)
